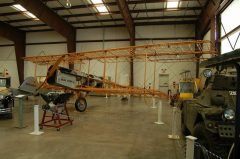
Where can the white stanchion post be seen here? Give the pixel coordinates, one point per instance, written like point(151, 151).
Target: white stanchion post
point(154, 103)
point(174, 125)
point(159, 113)
point(36, 121)
point(106, 96)
point(190, 147)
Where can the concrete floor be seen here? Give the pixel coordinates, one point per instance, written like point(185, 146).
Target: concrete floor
point(109, 129)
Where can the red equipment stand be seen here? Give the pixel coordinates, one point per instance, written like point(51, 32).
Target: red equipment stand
point(57, 120)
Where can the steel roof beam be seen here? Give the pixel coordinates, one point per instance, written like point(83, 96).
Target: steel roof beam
point(107, 3)
point(135, 11)
point(141, 1)
point(208, 13)
point(116, 12)
point(19, 39)
point(6, 4)
point(48, 16)
point(136, 24)
point(52, 19)
point(114, 20)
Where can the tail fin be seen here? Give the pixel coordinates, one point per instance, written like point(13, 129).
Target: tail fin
point(29, 85)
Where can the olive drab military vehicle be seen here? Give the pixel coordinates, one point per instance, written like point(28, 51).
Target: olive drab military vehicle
point(211, 116)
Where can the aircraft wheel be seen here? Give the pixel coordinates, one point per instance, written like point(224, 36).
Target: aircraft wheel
point(81, 104)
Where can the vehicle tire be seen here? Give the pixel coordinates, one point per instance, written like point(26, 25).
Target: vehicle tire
point(81, 104)
point(210, 141)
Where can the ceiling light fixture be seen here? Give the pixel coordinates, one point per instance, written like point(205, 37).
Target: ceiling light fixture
point(25, 12)
point(68, 4)
point(172, 5)
point(19, 7)
point(30, 15)
point(97, 1)
point(101, 8)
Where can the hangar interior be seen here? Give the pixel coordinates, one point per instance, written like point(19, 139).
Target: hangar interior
point(113, 125)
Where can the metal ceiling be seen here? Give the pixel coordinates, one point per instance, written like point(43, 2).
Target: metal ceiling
point(82, 14)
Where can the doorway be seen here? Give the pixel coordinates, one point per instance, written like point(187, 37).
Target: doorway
point(163, 85)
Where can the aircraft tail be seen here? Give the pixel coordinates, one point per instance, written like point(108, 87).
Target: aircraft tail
point(29, 85)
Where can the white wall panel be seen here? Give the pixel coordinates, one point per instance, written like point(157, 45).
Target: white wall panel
point(47, 49)
point(207, 36)
point(48, 36)
point(172, 69)
point(102, 33)
point(81, 47)
point(4, 41)
point(116, 33)
point(165, 31)
point(96, 67)
point(89, 34)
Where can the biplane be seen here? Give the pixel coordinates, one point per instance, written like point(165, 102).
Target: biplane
point(60, 77)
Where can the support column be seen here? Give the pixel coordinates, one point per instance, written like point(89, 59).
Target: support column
point(132, 43)
point(19, 38)
point(20, 51)
point(71, 45)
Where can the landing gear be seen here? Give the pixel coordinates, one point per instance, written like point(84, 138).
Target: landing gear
point(81, 104)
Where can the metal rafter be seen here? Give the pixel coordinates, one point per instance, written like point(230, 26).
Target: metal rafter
point(137, 24)
point(207, 14)
point(116, 12)
point(140, 1)
point(114, 20)
point(107, 3)
point(6, 4)
point(122, 25)
point(224, 5)
point(19, 38)
point(51, 19)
